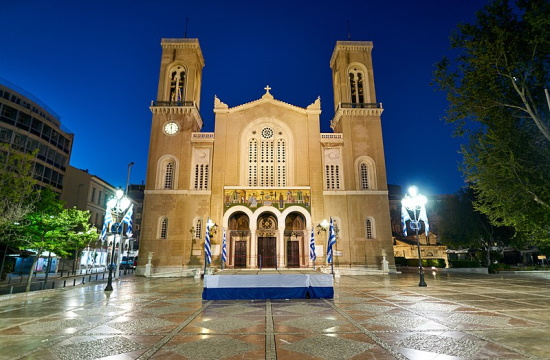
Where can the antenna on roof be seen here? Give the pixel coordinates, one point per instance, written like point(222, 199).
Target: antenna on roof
point(349, 34)
point(186, 23)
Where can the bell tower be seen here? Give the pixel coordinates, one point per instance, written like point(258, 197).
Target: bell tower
point(356, 165)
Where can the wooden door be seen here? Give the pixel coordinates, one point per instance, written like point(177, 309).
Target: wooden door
point(240, 253)
point(293, 253)
point(267, 252)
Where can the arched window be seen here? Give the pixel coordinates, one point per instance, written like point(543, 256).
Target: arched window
point(356, 80)
point(164, 228)
point(369, 228)
point(267, 158)
point(253, 162)
point(177, 84)
point(169, 175)
point(364, 174)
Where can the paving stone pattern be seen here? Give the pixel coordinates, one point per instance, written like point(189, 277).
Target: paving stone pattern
point(457, 316)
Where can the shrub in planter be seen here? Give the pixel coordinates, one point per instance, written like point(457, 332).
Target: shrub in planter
point(464, 263)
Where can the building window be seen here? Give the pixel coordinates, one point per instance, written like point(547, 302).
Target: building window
point(369, 228)
point(163, 228)
point(177, 83)
point(201, 177)
point(253, 162)
point(332, 175)
point(364, 171)
point(169, 175)
point(356, 78)
point(267, 159)
point(93, 195)
point(198, 229)
point(99, 197)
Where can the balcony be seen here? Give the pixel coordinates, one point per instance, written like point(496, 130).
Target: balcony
point(361, 105)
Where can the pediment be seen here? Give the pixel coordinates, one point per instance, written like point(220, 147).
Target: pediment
point(267, 98)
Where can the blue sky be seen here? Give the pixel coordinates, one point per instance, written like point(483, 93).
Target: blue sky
point(96, 64)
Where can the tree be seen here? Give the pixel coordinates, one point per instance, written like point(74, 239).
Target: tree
point(464, 227)
point(17, 194)
point(53, 228)
point(495, 87)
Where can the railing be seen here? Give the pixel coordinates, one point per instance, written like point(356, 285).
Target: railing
point(173, 103)
point(199, 135)
point(332, 136)
point(361, 105)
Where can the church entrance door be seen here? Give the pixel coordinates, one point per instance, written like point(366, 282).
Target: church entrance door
point(293, 254)
point(267, 252)
point(240, 253)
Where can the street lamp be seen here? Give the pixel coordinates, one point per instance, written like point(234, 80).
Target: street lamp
point(415, 204)
point(117, 205)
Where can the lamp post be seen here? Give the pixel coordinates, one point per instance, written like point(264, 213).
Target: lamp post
point(117, 205)
point(415, 204)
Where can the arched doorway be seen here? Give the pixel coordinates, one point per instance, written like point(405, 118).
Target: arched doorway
point(295, 235)
point(267, 240)
point(239, 239)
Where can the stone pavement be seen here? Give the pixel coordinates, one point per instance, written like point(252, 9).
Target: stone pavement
point(458, 316)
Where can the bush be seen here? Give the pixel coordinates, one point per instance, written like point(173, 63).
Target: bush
point(464, 263)
point(439, 263)
point(400, 261)
point(495, 268)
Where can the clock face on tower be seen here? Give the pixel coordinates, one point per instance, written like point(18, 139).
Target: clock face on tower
point(171, 128)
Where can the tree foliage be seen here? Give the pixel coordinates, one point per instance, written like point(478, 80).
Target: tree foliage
point(496, 91)
point(53, 228)
point(464, 227)
point(17, 194)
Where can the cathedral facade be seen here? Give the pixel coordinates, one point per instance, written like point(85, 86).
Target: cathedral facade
point(266, 176)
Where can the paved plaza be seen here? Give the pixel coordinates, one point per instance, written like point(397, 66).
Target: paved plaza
point(458, 316)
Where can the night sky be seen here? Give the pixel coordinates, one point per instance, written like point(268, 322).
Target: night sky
point(96, 64)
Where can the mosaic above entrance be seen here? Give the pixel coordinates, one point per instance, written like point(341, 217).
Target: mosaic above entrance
point(255, 198)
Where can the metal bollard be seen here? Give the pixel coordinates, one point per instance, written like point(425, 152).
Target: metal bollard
point(90, 278)
point(96, 277)
point(53, 284)
point(11, 290)
point(64, 283)
point(83, 280)
point(74, 282)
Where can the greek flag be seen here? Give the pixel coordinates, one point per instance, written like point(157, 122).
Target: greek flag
point(108, 219)
point(312, 255)
point(404, 217)
point(207, 253)
point(224, 247)
point(128, 220)
point(331, 241)
point(424, 217)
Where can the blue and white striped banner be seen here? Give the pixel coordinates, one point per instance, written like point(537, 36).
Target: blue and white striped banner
point(312, 255)
point(331, 241)
point(207, 253)
point(224, 247)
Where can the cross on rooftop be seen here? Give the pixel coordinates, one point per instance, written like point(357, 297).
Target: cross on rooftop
point(267, 88)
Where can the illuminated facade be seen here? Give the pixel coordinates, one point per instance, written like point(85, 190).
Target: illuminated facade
point(28, 124)
point(266, 175)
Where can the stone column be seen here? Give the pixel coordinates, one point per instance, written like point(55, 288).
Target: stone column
point(253, 248)
point(281, 248)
